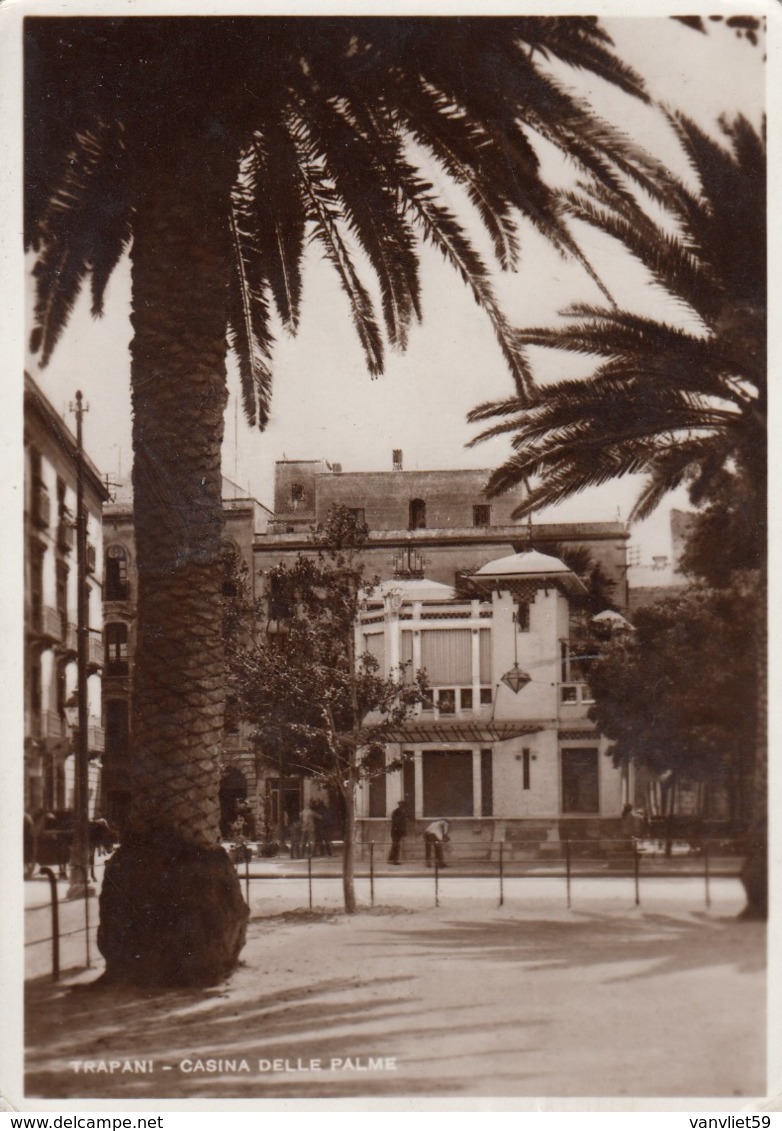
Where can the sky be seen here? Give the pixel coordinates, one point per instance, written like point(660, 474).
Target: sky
point(326, 406)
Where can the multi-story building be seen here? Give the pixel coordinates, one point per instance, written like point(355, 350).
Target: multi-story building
point(244, 518)
point(50, 608)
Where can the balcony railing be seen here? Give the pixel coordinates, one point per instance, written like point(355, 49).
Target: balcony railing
point(52, 725)
point(51, 623)
point(41, 506)
point(96, 739)
point(95, 650)
point(32, 723)
point(65, 534)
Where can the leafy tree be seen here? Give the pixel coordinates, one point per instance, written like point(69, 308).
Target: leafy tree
point(218, 149)
point(677, 694)
point(315, 703)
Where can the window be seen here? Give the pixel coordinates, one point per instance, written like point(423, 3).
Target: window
point(569, 694)
point(62, 595)
point(446, 701)
point(116, 649)
point(359, 514)
point(427, 702)
point(36, 583)
point(580, 780)
point(446, 656)
point(481, 515)
point(522, 616)
point(417, 514)
point(375, 767)
point(297, 493)
point(117, 586)
point(447, 782)
point(487, 697)
point(35, 681)
point(465, 699)
point(525, 768)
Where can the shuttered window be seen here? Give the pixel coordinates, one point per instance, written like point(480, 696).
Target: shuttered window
point(446, 657)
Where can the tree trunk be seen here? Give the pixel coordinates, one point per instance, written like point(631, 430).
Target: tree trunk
point(171, 905)
point(348, 849)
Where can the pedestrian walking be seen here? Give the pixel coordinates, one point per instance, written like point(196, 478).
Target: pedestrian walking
point(398, 832)
point(435, 836)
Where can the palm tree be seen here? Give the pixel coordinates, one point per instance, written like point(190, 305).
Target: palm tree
point(679, 403)
point(218, 149)
point(684, 404)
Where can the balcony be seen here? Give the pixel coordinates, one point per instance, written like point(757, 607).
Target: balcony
point(95, 650)
point(33, 724)
point(96, 739)
point(52, 725)
point(65, 535)
point(41, 510)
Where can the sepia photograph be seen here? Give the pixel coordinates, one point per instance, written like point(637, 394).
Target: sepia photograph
point(392, 651)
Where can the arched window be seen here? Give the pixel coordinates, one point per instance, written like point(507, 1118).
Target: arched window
point(417, 514)
point(116, 574)
point(116, 637)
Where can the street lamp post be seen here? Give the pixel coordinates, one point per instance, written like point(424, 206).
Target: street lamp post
point(80, 846)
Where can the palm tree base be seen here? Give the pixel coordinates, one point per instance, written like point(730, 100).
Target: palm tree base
point(170, 915)
point(754, 877)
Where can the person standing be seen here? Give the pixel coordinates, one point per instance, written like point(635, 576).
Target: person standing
point(435, 836)
point(308, 830)
point(398, 832)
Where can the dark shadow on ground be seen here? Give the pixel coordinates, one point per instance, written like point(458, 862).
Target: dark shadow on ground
point(666, 944)
point(359, 1014)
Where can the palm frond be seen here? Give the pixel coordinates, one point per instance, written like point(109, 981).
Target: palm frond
point(248, 318)
point(325, 215)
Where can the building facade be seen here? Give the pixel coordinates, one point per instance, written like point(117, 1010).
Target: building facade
point(50, 609)
point(244, 517)
point(526, 767)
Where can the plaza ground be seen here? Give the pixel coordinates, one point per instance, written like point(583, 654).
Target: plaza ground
point(464, 999)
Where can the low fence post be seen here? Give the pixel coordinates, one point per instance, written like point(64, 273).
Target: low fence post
point(436, 881)
point(637, 873)
point(502, 888)
point(706, 874)
point(567, 870)
point(372, 873)
point(309, 875)
point(55, 923)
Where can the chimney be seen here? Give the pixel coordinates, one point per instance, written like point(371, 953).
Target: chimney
point(397, 459)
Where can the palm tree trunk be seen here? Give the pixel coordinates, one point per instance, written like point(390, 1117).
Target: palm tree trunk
point(171, 906)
